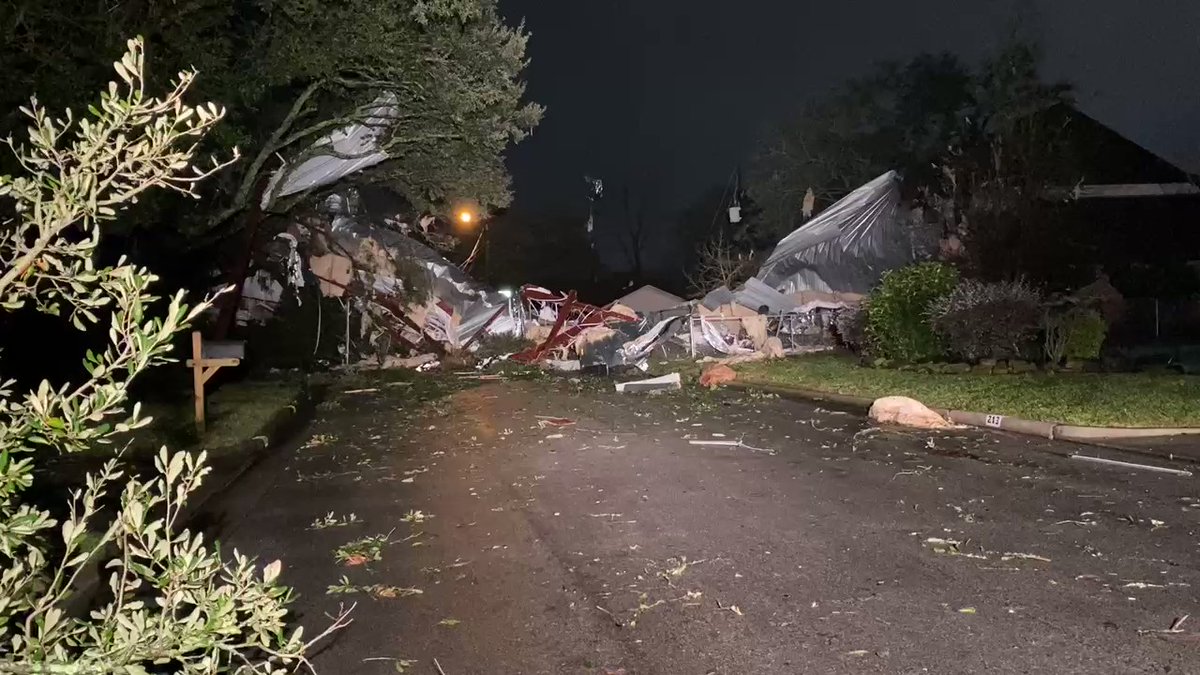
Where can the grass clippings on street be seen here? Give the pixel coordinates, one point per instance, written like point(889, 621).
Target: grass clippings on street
point(1088, 399)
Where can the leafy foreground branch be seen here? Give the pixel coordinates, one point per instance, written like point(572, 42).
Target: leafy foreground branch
point(173, 603)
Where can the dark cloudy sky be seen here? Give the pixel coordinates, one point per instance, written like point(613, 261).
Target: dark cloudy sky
point(675, 91)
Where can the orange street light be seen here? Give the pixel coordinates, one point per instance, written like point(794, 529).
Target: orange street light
point(465, 217)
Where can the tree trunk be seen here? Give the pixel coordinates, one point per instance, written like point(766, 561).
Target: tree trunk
point(236, 276)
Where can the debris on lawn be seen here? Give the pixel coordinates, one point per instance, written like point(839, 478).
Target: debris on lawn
point(482, 377)
point(716, 376)
point(652, 385)
point(1130, 465)
point(449, 623)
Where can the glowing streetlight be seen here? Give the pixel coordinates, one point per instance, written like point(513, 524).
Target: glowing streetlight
point(465, 217)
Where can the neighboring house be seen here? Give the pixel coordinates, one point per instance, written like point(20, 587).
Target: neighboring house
point(1133, 213)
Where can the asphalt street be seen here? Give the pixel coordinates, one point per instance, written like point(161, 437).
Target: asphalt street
point(802, 541)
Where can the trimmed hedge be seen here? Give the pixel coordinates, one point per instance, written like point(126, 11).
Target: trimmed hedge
point(981, 320)
point(1085, 330)
point(897, 317)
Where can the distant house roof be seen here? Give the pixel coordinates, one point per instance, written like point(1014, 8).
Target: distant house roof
point(649, 299)
point(1105, 157)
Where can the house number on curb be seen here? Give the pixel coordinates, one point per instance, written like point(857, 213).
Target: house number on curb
point(994, 420)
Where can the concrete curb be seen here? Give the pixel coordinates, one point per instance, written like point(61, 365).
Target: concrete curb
point(1047, 430)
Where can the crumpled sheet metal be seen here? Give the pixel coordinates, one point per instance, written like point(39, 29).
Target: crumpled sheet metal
point(379, 252)
point(571, 318)
point(755, 295)
point(847, 247)
point(719, 341)
point(350, 149)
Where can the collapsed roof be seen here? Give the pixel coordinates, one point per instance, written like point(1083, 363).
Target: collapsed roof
point(460, 307)
point(847, 248)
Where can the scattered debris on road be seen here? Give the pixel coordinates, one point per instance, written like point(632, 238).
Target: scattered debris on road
point(731, 444)
point(1131, 465)
point(652, 385)
point(1175, 629)
point(906, 412)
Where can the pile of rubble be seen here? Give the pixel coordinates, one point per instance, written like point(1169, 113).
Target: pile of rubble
point(407, 292)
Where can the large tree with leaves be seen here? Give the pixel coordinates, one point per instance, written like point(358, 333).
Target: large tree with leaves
point(901, 116)
point(437, 82)
point(979, 145)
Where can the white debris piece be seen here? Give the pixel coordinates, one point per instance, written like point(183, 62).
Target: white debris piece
point(906, 412)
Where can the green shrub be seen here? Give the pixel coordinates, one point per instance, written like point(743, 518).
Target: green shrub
point(171, 602)
point(981, 320)
point(1085, 332)
point(897, 319)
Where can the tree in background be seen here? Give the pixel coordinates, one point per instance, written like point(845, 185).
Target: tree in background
point(718, 252)
point(551, 251)
point(173, 604)
point(902, 116)
point(1005, 159)
point(719, 262)
point(631, 232)
point(978, 147)
point(437, 80)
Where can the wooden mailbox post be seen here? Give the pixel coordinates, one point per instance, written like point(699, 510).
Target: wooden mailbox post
point(207, 359)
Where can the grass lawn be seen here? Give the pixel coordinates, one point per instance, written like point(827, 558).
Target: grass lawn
point(237, 411)
point(1094, 399)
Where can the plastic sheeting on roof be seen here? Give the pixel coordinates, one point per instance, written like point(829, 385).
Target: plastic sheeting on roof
point(349, 149)
point(847, 247)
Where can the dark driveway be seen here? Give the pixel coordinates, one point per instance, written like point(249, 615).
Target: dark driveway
point(615, 543)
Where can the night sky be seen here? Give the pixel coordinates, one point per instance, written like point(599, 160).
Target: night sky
point(671, 94)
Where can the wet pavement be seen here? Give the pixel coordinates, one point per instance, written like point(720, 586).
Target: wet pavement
point(614, 544)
